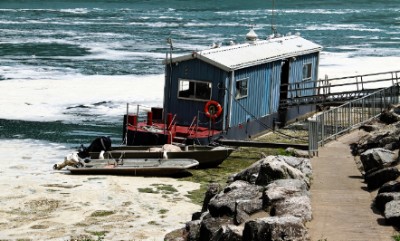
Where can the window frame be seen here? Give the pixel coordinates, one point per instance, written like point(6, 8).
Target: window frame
point(196, 96)
point(238, 94)
point(307, 72)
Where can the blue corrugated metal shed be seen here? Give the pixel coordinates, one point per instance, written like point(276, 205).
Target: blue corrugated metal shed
point(265, 64)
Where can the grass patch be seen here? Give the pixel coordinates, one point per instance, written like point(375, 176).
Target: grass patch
point(396, 237)
point(159, 188)
point(153, 223)
point(102, 213)
point(163, 211)
point(147, 190)
point(165, 188)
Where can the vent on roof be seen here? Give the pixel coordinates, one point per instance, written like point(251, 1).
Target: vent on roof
point(251, 36)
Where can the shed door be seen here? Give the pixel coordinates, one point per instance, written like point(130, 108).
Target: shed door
point(284, 79)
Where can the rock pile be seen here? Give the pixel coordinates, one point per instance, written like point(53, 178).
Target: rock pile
point(267, 201)
point(378, 150)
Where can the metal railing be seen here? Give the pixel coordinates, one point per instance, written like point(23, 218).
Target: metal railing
point(331, 123)
point(337, 90)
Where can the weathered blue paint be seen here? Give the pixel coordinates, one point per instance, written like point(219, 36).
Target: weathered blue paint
point(184, 109)
point(262, 102)
point(296, 75)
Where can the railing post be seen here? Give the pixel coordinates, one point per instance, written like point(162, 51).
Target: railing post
point(322, 128)
point(335, 119)
point(362, 110)
point(350, 116)
point(312, 137)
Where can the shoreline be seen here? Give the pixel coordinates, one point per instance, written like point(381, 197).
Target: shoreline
point(38, 203)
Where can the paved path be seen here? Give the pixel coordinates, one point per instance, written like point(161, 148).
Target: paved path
point(341, 204)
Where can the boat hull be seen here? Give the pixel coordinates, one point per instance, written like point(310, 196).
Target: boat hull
point(136, 167)
point(206, 156)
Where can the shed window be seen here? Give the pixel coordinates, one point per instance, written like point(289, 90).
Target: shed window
point(307, 68)
point(193, 89)
point(241, 88)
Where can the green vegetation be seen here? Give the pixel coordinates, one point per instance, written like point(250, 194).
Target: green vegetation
point(163, 211)
point(396, 237)
point(159, 188)
point(153, 223)
point(101, 213)
point(147, 190)
point(165, 188)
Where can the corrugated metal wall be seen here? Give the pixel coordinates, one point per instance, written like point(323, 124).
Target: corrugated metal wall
point(296, 75)
point(263, 93)
point(187, 109)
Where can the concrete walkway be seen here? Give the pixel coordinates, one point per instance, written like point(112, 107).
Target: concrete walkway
point(340, 201)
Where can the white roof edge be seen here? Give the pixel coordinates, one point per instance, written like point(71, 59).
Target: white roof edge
point(202, 55)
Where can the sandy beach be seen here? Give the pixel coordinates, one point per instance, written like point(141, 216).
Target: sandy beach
point(38, 203)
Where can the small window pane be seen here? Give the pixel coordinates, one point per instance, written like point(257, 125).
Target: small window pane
point(307, 69)
point(241, 88)
point(190, 89)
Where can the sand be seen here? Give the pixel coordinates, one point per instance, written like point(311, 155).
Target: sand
point(38, 203)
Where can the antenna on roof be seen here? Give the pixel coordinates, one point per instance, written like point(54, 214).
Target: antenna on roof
point(273, 24)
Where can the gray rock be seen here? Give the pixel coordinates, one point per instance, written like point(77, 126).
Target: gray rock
point(224, 203)
point(298, 153)
point(275, 229)
point(244, 208)
point(193, 230)
point(369, 127)
point(386, 135)
point(393, 186)
point(275, 167)
point(228, 233)
point(378, 178)
point(282, 189)
point(294, 206)
point(212, 190)
point(176, 235)
point(302, 164)
point(392, 212)
point(376, 158)
point(383, 198)
point(211, 228)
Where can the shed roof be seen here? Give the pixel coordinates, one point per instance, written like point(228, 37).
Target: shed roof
point(259, 52)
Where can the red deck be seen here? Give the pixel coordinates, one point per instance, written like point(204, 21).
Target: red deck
point(176, 130)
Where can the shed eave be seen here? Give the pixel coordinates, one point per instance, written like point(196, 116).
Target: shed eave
point(275, 58)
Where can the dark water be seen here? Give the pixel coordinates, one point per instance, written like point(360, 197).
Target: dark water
point(47, 39)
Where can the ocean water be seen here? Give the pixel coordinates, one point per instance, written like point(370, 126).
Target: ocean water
point(68, 67)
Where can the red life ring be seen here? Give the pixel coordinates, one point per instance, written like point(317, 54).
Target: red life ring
point(212, 109)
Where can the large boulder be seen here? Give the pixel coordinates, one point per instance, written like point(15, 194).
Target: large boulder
point(378, 178)
point(225, 203)
point(282, 189)
point(377, 158)
point(294, 206)
point(386, 137)
point(210, 229)
point(383, 198)
point(273, 168)
point(275, 229)
point(225, 233)
point(193, 230)
point(392, 212)
point(393, 186)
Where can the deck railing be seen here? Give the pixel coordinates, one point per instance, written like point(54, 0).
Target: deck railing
point(337, 90)
point(331, 123)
